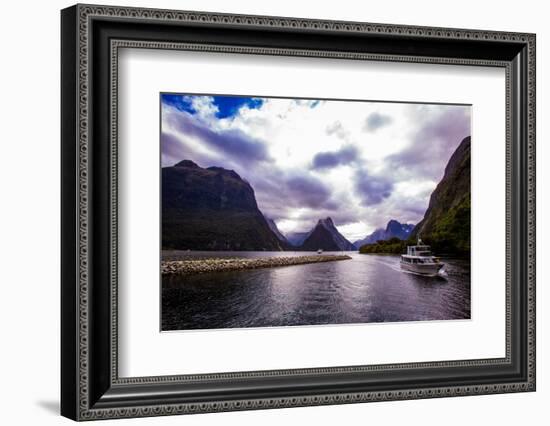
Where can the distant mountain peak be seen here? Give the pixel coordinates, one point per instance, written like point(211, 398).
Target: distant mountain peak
point(327, 221)
point(398, 229)
point(226, 172)
point(394, 229)
point(187, 163)
point(326, 236)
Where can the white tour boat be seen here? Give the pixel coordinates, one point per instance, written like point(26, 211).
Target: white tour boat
point(420, 260)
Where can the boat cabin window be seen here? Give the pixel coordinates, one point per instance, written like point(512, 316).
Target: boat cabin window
point(419, 251)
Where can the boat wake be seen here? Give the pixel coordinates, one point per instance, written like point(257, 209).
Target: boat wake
point(441, 274)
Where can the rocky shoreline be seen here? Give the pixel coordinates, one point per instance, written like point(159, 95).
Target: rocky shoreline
point(201, 266)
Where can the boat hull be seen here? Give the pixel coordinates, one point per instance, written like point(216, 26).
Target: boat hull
point(431, 269)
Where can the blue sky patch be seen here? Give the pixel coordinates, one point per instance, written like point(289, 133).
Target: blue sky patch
point(179, 101)
point(227, 106)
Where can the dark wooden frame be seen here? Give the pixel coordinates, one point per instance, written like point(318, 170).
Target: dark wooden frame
point(91, 37)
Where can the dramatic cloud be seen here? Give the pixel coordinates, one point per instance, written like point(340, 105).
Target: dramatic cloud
point(375, 121)
point(232, 142)
point(433, 143)
point(372, 190)
point(345, 155)
point(309, 190)
point(361, 163)
point(172, 150)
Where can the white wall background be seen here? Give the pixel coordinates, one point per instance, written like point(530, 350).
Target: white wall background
point(29, 211)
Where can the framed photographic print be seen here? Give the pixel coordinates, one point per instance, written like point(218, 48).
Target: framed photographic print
point(263, 212)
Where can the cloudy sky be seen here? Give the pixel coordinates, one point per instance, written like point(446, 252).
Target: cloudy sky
point(361, 163)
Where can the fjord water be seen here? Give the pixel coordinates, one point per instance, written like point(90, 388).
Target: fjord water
point(366, 288)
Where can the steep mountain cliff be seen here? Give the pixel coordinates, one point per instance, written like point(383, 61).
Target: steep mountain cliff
point(394, 229)
point(446, 223)
point(326, 237)
point(273, 226)
point(211, 209)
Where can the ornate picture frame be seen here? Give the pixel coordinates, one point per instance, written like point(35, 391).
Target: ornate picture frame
point(91, 37)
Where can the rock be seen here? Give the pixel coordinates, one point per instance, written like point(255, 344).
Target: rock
point(200, 266)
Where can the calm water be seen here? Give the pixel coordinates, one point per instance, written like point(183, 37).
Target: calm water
point(367, 288)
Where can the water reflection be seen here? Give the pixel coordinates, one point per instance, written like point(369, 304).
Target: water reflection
point(367, 288)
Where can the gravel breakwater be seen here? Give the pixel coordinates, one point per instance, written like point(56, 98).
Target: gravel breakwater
point(201, 266)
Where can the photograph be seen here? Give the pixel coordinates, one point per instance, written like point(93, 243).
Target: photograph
point(292, 211)
point(265, 209)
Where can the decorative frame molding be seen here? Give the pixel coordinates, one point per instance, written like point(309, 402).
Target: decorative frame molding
point(91, 388)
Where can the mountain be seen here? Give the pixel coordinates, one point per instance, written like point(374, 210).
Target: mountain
point(326, 237)
point(377, 235)
point(297, 238)
point(398, 230)
point(211, 209)
point(446, 223)
point(273, 226)
point(394, 229)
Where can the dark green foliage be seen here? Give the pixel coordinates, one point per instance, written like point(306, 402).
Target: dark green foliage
point(211, 209)
point(451, 234)
point(391, 246)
